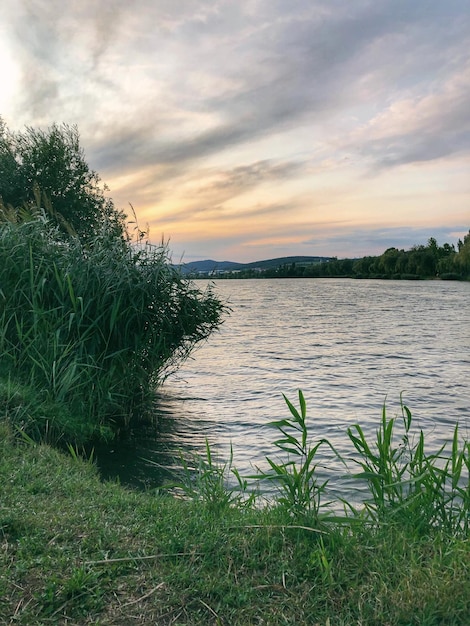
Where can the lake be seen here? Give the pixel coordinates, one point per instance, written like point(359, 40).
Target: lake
point(350, 345)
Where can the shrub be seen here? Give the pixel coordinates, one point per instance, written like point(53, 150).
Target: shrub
point(94, 326)
point(48, 168)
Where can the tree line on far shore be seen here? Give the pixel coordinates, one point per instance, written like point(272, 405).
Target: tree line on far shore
point(420, 262)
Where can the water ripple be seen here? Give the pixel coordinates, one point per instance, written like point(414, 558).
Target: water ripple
point(349, 345)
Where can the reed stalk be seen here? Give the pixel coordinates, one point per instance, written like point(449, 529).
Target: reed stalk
point(96, 326)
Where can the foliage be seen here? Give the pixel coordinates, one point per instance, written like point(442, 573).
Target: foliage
point(79, 550)
point(463, 257)
point(409, 486)
point(93, 326)
point(89, 319)
point(296, 479)
point(406, 485)
point(204, 479)
point(48, 168)
point(419, 262)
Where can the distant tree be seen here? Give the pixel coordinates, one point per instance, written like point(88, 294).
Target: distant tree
point(447, 249)
point(462, 259)
point(346, 267)
point(47, 168)
point(364, 266)
point(433, 247)
point(421, 261)
point(389, 261)
point(402, 262)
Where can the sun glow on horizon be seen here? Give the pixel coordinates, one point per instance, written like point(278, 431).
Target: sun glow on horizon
point(260, 131)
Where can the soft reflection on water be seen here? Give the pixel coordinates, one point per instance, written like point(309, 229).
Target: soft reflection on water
point(349, 345)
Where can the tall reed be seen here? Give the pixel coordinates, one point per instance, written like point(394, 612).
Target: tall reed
point(418, 491)
point(409, 485)
point(94, 326)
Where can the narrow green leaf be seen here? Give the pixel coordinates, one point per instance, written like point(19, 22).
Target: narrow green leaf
point(303, 405)
point(292, 409)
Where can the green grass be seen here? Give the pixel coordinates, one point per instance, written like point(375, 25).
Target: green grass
point(76, 550)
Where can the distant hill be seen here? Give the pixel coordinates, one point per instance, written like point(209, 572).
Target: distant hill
point(210, 266)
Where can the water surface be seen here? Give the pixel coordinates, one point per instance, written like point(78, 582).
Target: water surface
point(350, 345)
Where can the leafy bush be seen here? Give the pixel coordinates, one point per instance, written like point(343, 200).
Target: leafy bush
point(48, 168)
point(89, 319)
point(94, 326)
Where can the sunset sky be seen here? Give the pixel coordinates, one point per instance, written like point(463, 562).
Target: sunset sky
point(250, 129)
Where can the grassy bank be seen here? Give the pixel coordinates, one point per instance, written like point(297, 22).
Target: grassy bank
point(75, 550)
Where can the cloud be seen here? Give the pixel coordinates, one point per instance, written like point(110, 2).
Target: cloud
point(57, 47)
point(201, 112)
point(228, 184)
point(241, 77)
point(374, 241)
point(207, 193)
point(252, 71)
point(419, 128)
point(262, 217)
